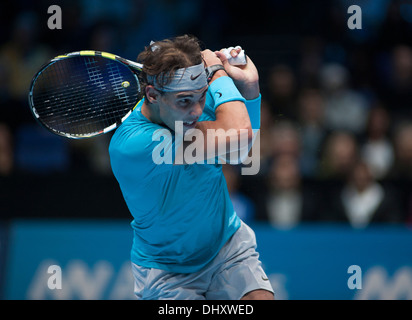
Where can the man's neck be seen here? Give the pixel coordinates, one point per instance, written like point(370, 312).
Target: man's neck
point(150, 113)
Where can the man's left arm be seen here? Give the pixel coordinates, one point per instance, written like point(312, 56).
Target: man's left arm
point(246, 79)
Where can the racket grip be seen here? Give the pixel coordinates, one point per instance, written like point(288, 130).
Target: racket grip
point(239, 60)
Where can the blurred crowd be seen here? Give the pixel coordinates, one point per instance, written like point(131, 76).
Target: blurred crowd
point(336, 122)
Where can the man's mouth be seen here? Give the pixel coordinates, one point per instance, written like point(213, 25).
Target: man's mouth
point(190, 124)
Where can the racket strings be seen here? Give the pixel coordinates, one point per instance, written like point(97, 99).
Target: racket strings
point(84, 95)
point(115, 77)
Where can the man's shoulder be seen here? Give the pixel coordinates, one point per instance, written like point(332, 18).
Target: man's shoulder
point(138, 137)
point(133, 131)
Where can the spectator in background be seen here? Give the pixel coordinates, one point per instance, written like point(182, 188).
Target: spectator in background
point(285, 139)
point(345, 109)
point(363, 201)
point(377, 149)
point(398, 83)
point(23, 55)
point(282, 92)
point(402, 167)
point(7, 112)
point(338, 157)
point(104, 38)
point(254, 186)
point(409, 211)
point(312, 129)
point(401, 171)
point(6, 151)
point(4, 83)
point(395, 28)
point(266, 126)
point(310, 60)
point(242, 204)
point(153, 20)
point(288, 202)
point(20, 58)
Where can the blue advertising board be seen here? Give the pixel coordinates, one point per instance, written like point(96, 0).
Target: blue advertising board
point(3, 244)
point(93, 257)
point(90, 260)
point(338, 262)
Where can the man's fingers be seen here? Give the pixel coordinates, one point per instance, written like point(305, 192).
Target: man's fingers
point(234, 55)
point(211, 57)
point(222, 56)
point(235, 51)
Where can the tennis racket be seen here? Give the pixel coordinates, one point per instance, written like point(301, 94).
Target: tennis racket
point(85, 94)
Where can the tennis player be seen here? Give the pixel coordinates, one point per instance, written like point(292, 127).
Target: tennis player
point(188, 241)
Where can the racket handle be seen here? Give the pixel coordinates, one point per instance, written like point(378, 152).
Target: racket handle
point(239, 60)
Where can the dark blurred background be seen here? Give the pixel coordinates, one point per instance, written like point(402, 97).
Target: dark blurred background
point(336, 133)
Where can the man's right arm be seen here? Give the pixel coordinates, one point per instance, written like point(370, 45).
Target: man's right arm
point(232, 120)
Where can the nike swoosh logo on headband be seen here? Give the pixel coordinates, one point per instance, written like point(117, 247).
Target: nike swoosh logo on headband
point(194, 78)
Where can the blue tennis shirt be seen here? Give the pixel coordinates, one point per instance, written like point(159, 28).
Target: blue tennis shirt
point(182, 214)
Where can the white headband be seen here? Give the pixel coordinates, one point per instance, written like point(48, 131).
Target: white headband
point(184, 79)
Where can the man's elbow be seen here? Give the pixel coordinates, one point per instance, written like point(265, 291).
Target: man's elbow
point(246, 132)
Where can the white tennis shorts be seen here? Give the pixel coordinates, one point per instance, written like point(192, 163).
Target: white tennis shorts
point(234, 272)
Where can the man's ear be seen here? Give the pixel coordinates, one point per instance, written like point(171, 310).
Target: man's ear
point(152, 94)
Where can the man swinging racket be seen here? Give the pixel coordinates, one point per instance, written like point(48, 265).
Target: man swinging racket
point(188, 241)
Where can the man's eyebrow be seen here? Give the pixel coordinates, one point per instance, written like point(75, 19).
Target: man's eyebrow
point(189, 95)
point(184, 95)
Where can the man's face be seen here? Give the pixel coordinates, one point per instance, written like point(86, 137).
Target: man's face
point(185, 106)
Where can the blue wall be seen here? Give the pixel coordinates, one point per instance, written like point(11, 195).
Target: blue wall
point(307, 262)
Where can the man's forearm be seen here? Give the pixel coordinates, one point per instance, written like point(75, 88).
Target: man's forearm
point(249, 91)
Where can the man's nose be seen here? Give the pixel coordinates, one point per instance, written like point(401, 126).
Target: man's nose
point(197, 109)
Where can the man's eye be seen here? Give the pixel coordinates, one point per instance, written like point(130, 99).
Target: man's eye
point(184, 102)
